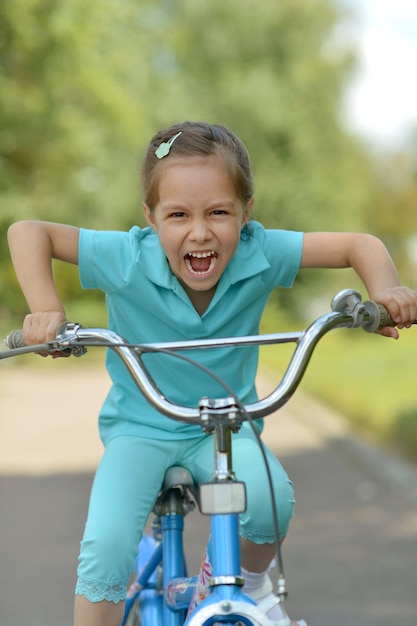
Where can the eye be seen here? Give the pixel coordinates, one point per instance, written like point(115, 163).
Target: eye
point(219, 212)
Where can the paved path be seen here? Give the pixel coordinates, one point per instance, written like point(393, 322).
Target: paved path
point(351, 555)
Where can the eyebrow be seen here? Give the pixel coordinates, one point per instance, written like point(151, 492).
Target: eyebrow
point(168, 206)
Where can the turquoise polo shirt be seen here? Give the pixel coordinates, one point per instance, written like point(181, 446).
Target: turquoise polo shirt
point(146, 303)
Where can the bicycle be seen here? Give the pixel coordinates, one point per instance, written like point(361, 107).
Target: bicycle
point(162, 592)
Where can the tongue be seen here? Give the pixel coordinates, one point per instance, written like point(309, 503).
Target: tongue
point(200, 265)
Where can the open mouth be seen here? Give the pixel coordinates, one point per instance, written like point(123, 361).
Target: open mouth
point(200, 263)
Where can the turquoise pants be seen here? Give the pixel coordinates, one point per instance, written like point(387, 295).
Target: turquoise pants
point(125, 487)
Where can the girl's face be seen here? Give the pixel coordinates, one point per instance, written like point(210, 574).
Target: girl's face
point(198, 218)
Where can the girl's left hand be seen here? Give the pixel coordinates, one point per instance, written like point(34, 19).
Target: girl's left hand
point(401, 303)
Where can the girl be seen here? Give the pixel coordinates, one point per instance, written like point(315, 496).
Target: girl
point(201, 269)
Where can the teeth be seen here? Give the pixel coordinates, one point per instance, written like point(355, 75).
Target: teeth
point(200, 255)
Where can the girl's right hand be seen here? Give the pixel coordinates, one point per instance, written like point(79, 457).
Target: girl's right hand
point(42, 327)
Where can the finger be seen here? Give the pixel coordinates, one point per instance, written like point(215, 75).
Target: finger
point(29, 330)
point(388, 331)
point(60, 355)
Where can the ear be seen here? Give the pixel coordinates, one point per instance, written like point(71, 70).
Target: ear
point(247, 211)
point(150, 217)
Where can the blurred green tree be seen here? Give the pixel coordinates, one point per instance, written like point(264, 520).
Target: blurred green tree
point(393, 212)
point(71, 108)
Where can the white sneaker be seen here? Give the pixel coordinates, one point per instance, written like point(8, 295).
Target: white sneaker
point(272, 609)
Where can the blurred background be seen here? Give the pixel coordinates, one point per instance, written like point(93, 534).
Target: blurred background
point(320, 91)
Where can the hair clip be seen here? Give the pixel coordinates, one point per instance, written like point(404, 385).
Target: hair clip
point(164, 148)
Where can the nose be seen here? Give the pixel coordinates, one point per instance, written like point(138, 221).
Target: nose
point(200, 231)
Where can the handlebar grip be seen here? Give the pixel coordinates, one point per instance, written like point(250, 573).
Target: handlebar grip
point(379, 316)
point(385, 318)
point(15, 339)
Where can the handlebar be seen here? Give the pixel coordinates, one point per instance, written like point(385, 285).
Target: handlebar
point(348, 311)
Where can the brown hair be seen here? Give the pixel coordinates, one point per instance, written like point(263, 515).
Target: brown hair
point(198, 139)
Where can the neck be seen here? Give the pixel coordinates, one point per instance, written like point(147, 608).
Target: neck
point(200, 299)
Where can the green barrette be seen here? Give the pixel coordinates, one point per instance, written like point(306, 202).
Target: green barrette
point(164, 148)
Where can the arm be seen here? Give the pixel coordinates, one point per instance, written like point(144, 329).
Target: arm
point(33, 245)
point(370, 259)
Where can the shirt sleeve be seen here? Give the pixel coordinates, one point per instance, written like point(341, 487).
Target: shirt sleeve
point(282, 250)
point(106, 258)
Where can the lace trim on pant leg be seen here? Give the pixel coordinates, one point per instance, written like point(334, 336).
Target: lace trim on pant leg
point(98, 590)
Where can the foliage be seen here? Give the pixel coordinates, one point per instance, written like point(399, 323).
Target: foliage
point(67, 114)
point(393, 214)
